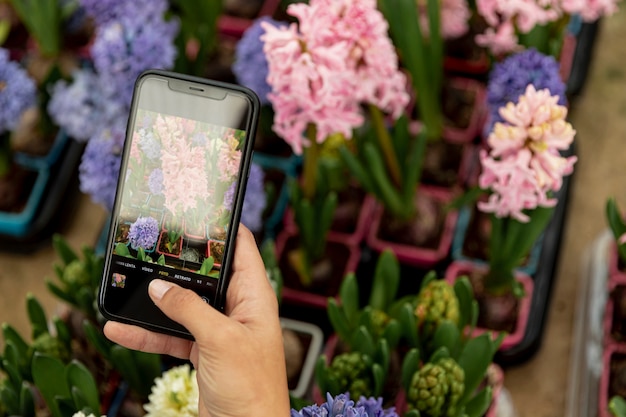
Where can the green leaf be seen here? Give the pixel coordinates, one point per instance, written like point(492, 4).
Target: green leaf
point(410, 365)
point(363, 341)
point(13, 373)
point(412, 413)
point(440, 353)
point(122, 250)
point(386, 281)
point(617, 406)
point(95, 336)
point(616, 224)
point(48, 372)
point(409, 325)
point(447, 335)
point(357, 169)
point(349, 295)
point(392, 333)
point(10, 334)
point(475, 359)
point(338, 320)
point(321, 374)
point(62, 331)
point(60, 293)
point(27, 402)
point(465, 295)
point(82, 381)
point(479, 404)
point(379, 376)
point(36, 315)
point(63, 250)
point(414, 165)
point(9, 399)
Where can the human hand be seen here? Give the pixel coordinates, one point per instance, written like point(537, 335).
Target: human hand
point(238, 355)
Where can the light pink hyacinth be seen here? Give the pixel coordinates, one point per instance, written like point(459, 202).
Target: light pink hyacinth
point(524, 166)
point(229, 158)
point(322, 70)
point(455, 16)
point(508, 18)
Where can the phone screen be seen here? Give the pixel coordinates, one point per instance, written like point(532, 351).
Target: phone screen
point(179, 195)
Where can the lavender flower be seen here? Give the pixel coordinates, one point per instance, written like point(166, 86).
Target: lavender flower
point(82, 108)
point(100, 164)
point(155, 181)
point(250, 65)
point(126, 47)
point(106, 11)
point(143, 233)
point(343, 406)
point(18, 92)
point(149, 144)
point(508, 80)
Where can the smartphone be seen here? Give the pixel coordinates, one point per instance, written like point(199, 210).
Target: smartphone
point(179, 196)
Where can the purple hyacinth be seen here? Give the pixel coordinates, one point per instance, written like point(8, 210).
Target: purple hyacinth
point(509, 78)
point(343, 406)
point(255, 201)
point(81, 107)
point(155, 181)
point(250, 65)
point(100, 164)
point(143, 233)
point(125, 47)
point(106, 11)
point(18, 92)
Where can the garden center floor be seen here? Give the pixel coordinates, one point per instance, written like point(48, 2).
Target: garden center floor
point(539, 386)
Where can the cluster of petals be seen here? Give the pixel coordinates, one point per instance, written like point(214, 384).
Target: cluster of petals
point(524, 165)
point(322, 69)
point(508, 18)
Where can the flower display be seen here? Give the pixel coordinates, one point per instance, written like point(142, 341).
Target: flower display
point(100, 164)
point(229, 158)
point(144, 233)
point(524, 166)
point(17, 92)
point(508, 80)
point(320, 71)
point(342, 405)
point(174, 394)
point(82, 107)
point(250, 66)
point(155, 181)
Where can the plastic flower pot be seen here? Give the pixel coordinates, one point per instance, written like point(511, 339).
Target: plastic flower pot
point(460, 241)
point(216, 250)
point(162, 249)
point(614, 319)
point(613, 369)
point(340, 257)
point(17, 224)
point(410, 254)
point(474, 97)
point(457, 269)
point(311, 339)
point(617, 273)
point(48, 160)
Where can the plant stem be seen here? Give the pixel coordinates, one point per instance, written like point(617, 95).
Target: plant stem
point(311, 158)
point(384, 140)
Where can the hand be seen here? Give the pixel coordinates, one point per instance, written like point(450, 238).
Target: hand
point(238, 355)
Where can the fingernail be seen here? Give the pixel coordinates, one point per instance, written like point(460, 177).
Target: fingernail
point(158, 288)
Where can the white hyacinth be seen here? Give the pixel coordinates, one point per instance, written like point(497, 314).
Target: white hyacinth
point(81, 414)
point(174, 394)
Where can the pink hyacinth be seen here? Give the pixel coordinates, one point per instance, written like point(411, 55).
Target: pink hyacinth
point(455, 16)
point(184, 166)
point(322, 70)
point(229, 158)
point(524, 166)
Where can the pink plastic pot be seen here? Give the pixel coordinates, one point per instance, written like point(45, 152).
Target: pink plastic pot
point(413, 255)
point(301, 296)
point(616, 275)
point(610, 353)
point(460, 268)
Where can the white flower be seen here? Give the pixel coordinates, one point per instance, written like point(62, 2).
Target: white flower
point(174, 394)
point(81, 414)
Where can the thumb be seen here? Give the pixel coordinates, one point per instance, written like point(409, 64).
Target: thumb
point(183, 306)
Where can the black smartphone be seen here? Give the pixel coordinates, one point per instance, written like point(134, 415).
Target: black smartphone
point(179, 196)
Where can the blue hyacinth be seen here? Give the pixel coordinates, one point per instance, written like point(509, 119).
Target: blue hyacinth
point(255, 201)
point(18, 92)
point(143, 233)
point(250, 65)
point(343, 406)
point(106, 11)
point(508, 80)
point(155, 181)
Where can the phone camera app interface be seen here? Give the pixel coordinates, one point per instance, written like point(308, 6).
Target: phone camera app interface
point(176, 204)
